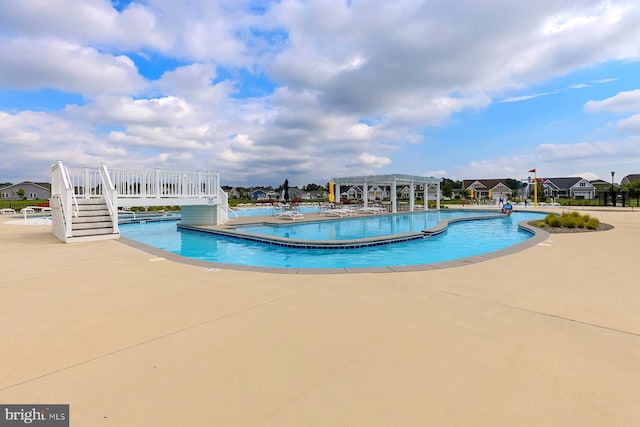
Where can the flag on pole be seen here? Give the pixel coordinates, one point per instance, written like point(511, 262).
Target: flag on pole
point(532, 171)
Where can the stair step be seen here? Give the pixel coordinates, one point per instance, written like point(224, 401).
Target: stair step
point(85, 219)
point(93, 232)
point(89, 208)
point(97, 212)
point(90, 225)
point(88, 202)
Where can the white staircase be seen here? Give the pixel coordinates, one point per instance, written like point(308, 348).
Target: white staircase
point(93, 219)
point(84, 202)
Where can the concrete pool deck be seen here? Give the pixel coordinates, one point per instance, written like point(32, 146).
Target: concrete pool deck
point(546, 336)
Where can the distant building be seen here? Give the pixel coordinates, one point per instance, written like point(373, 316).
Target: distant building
point(30, 191)
point(570, 187)
point(629, 179)
point(493, 189)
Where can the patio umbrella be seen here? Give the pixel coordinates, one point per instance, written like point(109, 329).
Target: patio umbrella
point(332, 196)
point(286, 190)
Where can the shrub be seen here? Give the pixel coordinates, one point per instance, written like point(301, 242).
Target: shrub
point(572, 220)
point(593, 224)
point(553, 221)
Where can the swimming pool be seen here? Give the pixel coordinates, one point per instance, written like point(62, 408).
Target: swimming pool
point(359, 227)
point(460, 240)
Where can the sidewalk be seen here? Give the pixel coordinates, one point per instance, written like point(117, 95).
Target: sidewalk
point(547, 336)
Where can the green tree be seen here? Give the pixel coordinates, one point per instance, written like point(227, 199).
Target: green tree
point(312, 187)
point(513, 184)
point(633, 190)
point(447, 187)
point(20, 193)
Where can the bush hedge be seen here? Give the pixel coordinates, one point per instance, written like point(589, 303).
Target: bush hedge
point(572, 220)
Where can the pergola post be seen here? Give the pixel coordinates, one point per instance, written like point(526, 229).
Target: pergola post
point(426, 195)
point(438, 197)
point(365, 193)
point(412, 195)
point(394, 196)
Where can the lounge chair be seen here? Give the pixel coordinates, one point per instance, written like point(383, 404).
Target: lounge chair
point(28, 210)
point(292, 215)
point(376, 210)
point(7, 211)
point(341, 212)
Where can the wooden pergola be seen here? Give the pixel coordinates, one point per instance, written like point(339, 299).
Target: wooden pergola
point(392, 180)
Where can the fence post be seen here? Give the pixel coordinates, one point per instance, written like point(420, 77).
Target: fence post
point(157, 182)
point(85, 187)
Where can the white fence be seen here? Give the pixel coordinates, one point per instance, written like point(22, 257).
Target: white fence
point(146, 183)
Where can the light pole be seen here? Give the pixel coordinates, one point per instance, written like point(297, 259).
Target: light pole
point(613, 197)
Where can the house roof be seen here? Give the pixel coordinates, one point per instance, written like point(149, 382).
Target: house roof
point(631, 178)
point(43, 185)
point(567, 182)
point(487, 183)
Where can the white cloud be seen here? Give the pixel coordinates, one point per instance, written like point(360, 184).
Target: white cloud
point(195, 83)
point(594, 159)
point(526, 97)
point(360, 131)
point(630, 124)
point(32, 65)
point(623, 102)
point(32, 142)
point(85, 21)
point(124, 111)
point(370, 160)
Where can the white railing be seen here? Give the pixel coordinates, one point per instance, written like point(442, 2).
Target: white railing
point(144, 183)
point(86, 182)
point(226, 210)
point(63, 191)
point(110, 196)
point(156, 183)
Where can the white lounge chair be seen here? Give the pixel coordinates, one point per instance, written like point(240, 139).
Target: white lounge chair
point(341, 212)
point(7, 211)
point(28, 210)
point(376, 210)
point(292, 215)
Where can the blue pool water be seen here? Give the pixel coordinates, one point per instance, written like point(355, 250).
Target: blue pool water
point(462, 239)
point(359, 227)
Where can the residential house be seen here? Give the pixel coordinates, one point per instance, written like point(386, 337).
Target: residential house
point(569, 187)
point(352, 193)
point(629, 179)
point(264, 193)
point(418, 191)
point(494, 189)
point(297, 194)
point(30, 191)
point(234, 193)
point(374, 192)
point(601, 185)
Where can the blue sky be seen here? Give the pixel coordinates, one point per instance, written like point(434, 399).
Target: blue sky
point(309, 90)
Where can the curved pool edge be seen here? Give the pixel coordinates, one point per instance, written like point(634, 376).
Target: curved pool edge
point(538, 235)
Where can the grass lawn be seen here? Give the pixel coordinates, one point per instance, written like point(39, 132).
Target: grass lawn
point(19, 204)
